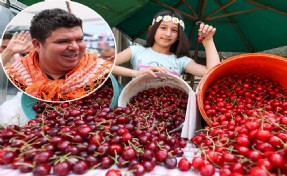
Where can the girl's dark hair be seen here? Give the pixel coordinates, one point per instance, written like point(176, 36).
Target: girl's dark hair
point(45, 22)
point(180, 48)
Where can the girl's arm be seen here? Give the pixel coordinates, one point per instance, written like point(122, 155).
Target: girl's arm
point(121, 58)
point(124, 57)
point(122, 71)
point(212, 58)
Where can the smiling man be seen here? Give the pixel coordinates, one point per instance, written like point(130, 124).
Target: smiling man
point(59, 68)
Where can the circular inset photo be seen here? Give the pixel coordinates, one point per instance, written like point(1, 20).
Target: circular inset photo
point(52, 53)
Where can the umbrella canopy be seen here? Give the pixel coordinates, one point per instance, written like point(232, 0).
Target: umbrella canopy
point(242, 25)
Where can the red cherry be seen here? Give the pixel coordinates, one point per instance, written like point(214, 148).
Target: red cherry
point(200, 39)
point(170, 163)
point(115, 149)
point(184, 164)
point(139, 170)
point(96, 139)
point(207, 170)
point(84, 130)
point(197, 162)
point(80, 167)
point(161, 155)
point(128, 153)
point(41, 170)
point(113, 172)
point(62, 169)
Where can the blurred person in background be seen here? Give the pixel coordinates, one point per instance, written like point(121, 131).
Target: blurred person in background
point(108, 53)
point(18, 45)
point(94, 52)
point(18, 49)
point(5, 40)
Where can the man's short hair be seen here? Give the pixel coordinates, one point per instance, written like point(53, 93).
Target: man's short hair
point(45, 22)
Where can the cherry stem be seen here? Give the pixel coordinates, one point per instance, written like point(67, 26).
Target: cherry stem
point(97, 154)
point(43, 116)
point(168, 136)
point(24, 164)
point(76, 156)
point(136, 140)
point(18, 133)
point(253, 147)
point(138, 149)
point(284, 146)
point(204, 153)
point(266, 170)
point(115, 159)
point(159, 146)
point(279, 171)
point(103, 122)
point(95, 166)
point(61, 158)
point(46, 137)
point(27, 144)
point(213, 144)
point(270, 122)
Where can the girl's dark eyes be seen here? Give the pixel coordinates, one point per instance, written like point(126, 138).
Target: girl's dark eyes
point(164, 28)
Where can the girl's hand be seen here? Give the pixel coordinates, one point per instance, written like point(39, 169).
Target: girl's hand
point(151, 71)
point(206, 32)
point(20, 43)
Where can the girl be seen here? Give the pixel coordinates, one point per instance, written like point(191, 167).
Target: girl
point(167, 50)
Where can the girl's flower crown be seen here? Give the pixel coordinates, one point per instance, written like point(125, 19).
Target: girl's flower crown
point(168, 18)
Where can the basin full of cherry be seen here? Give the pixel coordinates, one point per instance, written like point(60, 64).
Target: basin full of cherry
point(248, 134)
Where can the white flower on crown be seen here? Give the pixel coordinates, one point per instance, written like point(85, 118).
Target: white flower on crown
point(167, 18)
point(175, 20)
point(181, 23)
point(158, 18)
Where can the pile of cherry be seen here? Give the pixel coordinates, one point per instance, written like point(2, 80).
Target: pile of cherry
point(248, 135)
point(73, 137)
point(166, 104)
